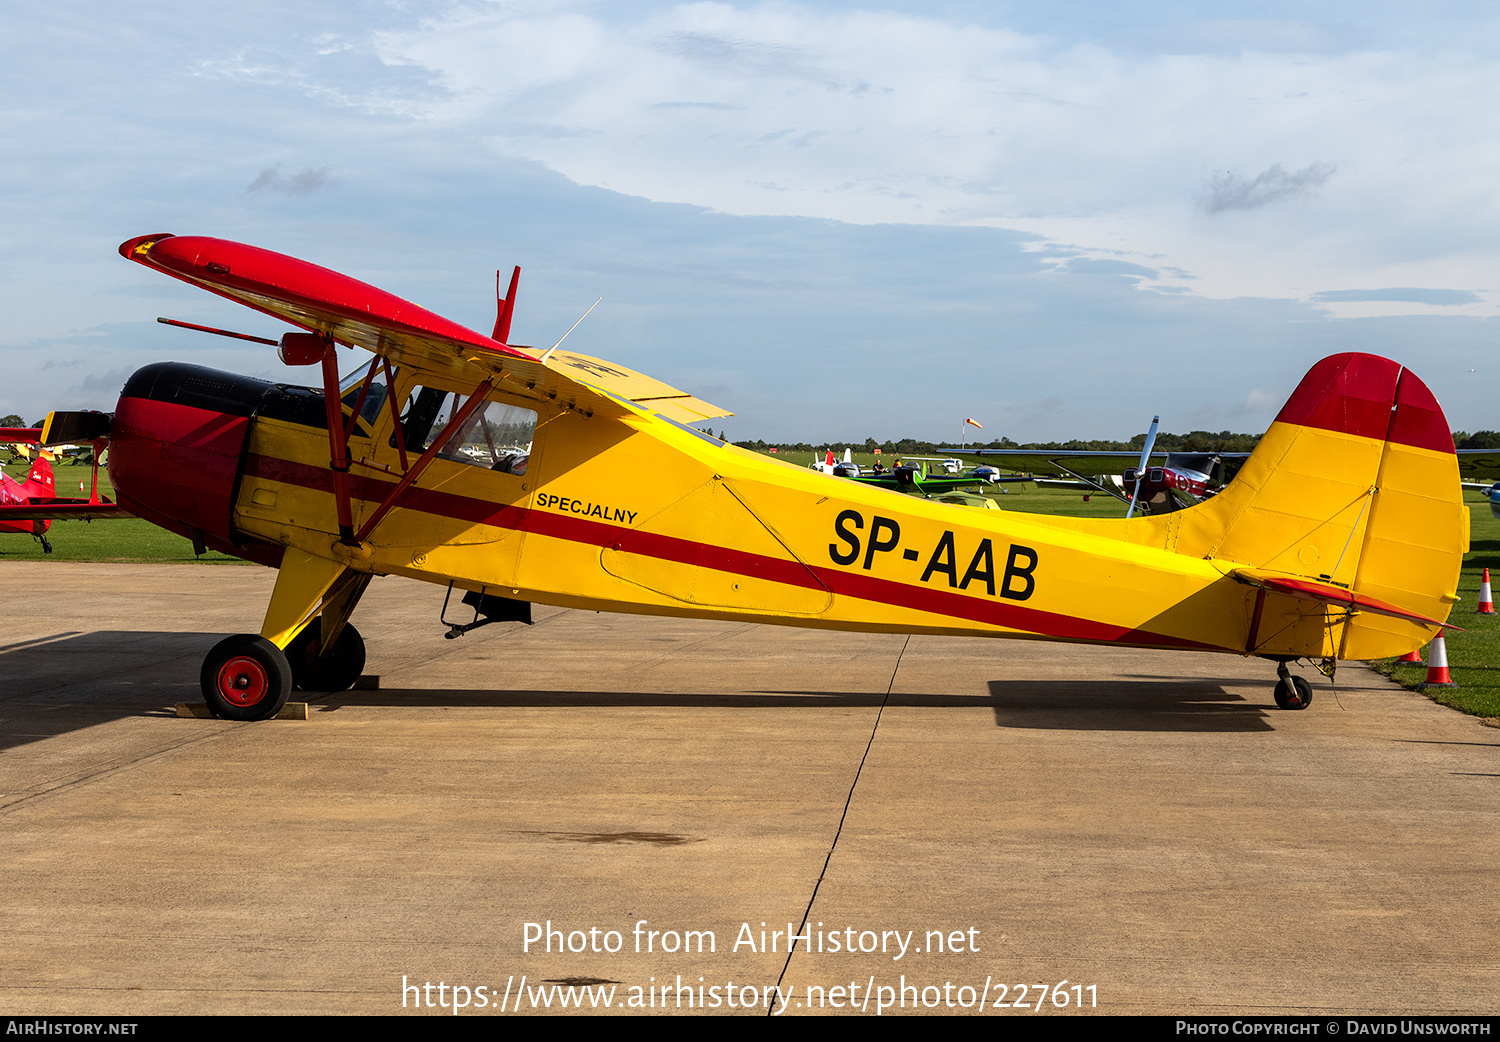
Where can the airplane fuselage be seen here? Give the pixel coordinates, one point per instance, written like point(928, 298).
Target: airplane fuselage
point(645, 515)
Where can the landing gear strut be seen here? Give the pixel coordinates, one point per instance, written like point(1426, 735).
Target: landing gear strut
point(1292, 692)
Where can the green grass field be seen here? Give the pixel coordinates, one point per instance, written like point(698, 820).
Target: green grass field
point(130, 539)
point(1473, 655)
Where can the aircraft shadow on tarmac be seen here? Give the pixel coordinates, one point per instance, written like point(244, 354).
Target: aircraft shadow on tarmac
point(1129, 704)
point(69, 681)
point(1135, 705)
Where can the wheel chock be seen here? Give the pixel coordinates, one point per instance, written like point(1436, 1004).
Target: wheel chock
point(199, 711)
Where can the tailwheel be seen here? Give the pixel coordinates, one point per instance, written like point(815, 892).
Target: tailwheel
point(335, 671)
point(245, 677)
point(1293, 692)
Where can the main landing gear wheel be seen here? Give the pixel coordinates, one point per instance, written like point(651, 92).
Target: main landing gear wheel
point(245, 677)
point(335, 671)
point(1293, 693)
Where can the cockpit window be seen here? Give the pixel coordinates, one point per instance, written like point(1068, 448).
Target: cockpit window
point(496, 435)
point(349, 388)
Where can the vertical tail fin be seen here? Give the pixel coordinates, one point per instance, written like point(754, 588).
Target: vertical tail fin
point(40, 477)
point(1355, 485)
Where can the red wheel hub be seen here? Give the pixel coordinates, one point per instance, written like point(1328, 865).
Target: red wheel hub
point(243, 681)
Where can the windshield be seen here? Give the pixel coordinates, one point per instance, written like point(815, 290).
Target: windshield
point(349, 388)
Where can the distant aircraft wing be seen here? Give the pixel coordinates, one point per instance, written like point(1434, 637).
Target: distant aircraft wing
point(916, 483)
point(61, 509)
point(360, 315)
point(1061, 463)
point(1479, 465)
point(24, 440)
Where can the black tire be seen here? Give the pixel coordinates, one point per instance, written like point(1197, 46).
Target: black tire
point(245, 677)
point(1293, 693)
point(336, 671)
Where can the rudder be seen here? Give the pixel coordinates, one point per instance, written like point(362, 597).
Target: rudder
point(41, 475)
point(1355, 485)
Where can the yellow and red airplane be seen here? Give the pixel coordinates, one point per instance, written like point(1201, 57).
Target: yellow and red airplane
point(456, 458)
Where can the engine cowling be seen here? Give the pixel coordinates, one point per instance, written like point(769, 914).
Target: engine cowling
point(177, 446)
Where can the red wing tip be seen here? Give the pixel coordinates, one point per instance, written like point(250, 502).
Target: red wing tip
point(130, 249)
point(263, 279)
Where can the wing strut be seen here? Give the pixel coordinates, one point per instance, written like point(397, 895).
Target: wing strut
point(1089, 481)
point(359, 403)
point(340, 432)
point(390, 394)
point(454, 426)
point(338, 446)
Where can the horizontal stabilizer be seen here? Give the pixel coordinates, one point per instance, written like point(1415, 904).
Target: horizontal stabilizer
point(1326, 593)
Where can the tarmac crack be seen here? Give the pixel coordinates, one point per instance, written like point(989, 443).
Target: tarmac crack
point(80, 778)
point(843, 815)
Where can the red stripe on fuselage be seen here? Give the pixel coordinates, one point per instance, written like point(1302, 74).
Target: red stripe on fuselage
point(724, 559)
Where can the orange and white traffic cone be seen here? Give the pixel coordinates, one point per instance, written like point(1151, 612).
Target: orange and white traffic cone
point(1486, 599)
point(1437, 664)
point(1415, 655)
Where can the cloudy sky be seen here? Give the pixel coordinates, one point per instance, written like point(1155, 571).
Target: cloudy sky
point(838, 219)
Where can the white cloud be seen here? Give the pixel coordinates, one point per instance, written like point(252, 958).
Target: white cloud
point(869, 116)
point(1084, 137)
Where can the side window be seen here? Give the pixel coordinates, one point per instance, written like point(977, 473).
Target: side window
point(369, 411)
point(496, 436)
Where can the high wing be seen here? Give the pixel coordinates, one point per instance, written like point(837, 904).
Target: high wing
point(22, 441)
point(357, 314)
